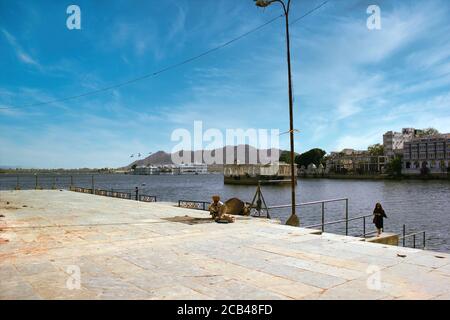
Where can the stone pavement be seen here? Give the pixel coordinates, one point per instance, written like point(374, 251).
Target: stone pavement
point(126, 249)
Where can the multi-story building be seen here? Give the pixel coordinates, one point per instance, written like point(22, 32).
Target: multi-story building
point(393, 142)
point(193, 168)
point(359, 161)
point(430, 153)
point(252, 174)
point(146, 170)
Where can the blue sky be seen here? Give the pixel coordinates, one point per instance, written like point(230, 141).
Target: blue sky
point(351, 84)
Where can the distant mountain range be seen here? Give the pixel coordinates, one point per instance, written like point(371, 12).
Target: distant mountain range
point(164, 158)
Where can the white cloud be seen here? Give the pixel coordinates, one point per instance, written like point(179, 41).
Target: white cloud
point(21, 54)
point(358, 142)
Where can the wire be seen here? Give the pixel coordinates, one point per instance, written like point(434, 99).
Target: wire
point(173, 66)
point(309, 12)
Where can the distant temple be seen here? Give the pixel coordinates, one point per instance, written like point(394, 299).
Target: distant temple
point(272, 173)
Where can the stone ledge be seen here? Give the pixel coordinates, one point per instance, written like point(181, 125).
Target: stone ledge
point(385, 238)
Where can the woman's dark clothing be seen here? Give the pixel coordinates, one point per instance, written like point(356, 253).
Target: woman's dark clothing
point(378, 217)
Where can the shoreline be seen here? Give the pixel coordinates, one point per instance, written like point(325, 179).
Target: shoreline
point(307, 176)
point(378, 177)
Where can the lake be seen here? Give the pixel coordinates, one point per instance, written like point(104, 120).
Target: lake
point(421, 205)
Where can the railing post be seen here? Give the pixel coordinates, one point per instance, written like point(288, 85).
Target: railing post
point(346, 217)
point(92, 180)
point(414, 241)
point(36, 181)
point(424, 240)
point(137, 193)
point(404, 234)
point(71, 181)
point(323, 216)
point(364, 227)
point(179, 203)
point(17, 184)
point(54, 183)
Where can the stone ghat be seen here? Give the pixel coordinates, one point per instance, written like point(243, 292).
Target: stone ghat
point(68, 245)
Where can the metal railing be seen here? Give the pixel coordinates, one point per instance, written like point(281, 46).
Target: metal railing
point(80, 189)
point(346, 221)
point(147, 198)
point(100, 192)
point(193, 204)
point(116, 194)
point(414, 236)
point(203, 205)
point(45, 181)
point(323, 223)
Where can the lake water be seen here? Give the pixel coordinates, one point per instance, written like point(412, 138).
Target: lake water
point(421, 205)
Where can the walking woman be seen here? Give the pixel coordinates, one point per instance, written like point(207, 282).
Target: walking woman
point(378, 216)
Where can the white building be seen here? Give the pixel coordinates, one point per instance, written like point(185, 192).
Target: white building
point(356, 161)
point(251, 174)
point(193, 168)
point(146, 170)
point(431, 153)
point(393, 141)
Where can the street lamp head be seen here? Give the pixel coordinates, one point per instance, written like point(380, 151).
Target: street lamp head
point(262, 3)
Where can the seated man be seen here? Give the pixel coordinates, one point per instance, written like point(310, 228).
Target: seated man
point(214, 207)
point(217, 210)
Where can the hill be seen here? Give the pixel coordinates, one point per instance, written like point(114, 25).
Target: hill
point(164, 158)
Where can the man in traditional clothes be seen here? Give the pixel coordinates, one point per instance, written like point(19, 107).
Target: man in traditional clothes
point(217, 211)
point(214, 207)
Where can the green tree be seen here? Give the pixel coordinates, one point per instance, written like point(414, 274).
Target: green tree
point(285, 156)
point(315, 156)
point(133, 166)
point(376, 149)
point(394, 167)
point(427, 132)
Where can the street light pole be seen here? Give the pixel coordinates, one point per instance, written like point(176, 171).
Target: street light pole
point(293, 219)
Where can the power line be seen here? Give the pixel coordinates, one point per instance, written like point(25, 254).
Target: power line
point(309, 12)
point(173, 66)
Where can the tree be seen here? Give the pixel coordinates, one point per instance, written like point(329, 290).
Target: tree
point(285, 156)
point(376, 149)
point(394, 167)
point(427, 132)
point(133, 166)
point(315, 156)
